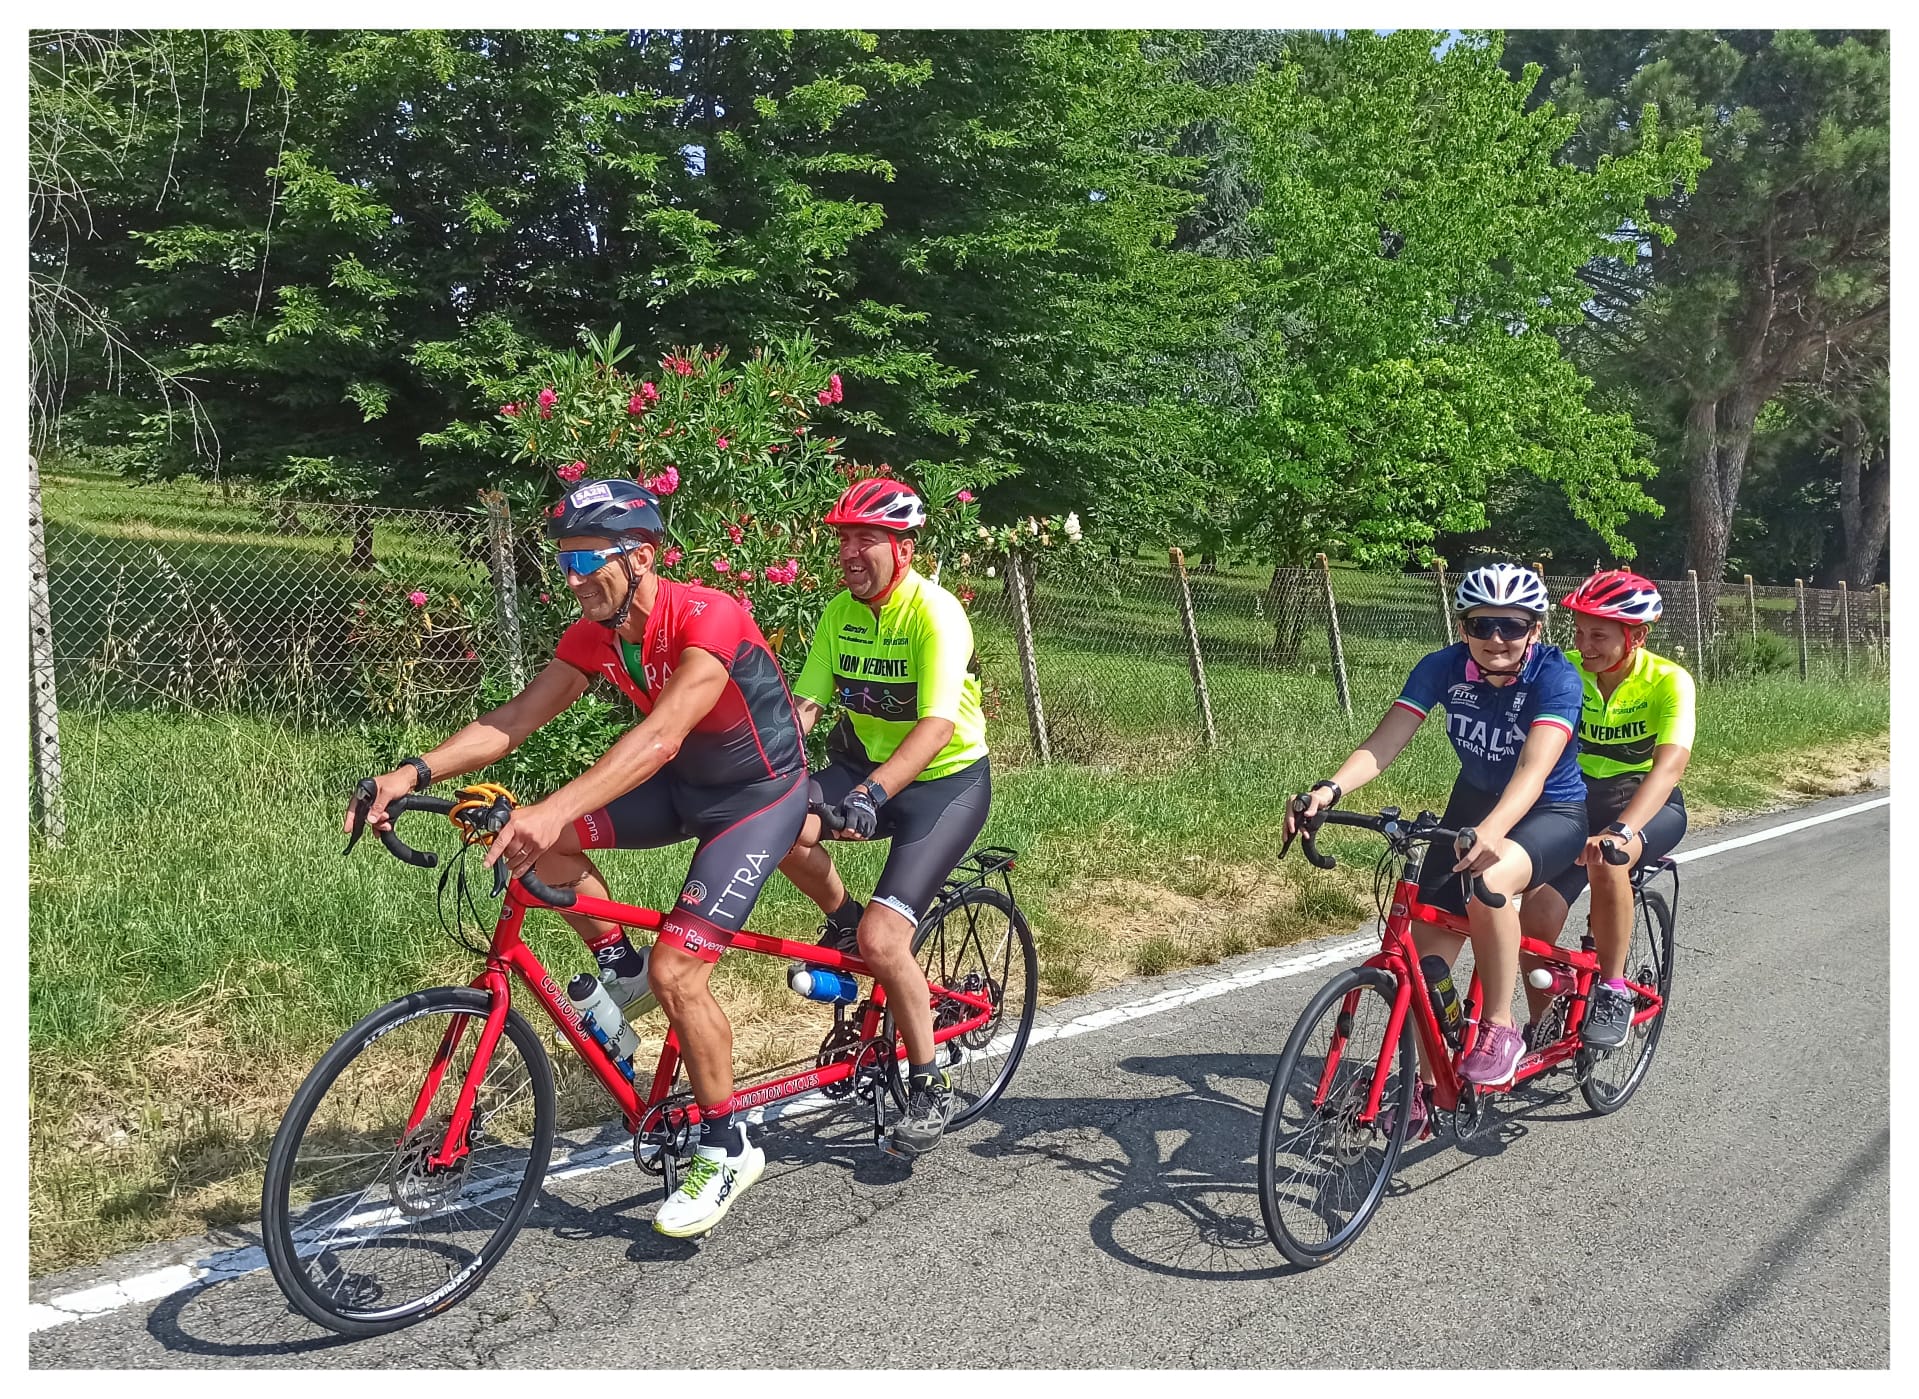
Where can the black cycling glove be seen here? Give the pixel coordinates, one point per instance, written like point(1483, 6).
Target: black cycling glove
point(862, 812)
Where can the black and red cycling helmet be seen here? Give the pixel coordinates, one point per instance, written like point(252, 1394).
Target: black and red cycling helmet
point(612, 509)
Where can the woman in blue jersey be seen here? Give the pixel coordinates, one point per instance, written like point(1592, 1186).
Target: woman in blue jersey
point(1512, 706)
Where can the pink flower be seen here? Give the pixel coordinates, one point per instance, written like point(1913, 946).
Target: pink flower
point(734, 533)
point(720, 565)
point(681, 367)
point(545, 597)
point(649, 393)
point(723, 444)
point(822, 397)
point(746, 602)
point(774, 448)
point(834, 384)
point(472, 655)
point(667, 482)
point(800, 431)
point(745, 575)
point(547, 399)
point(672, 556)
point(636, 405)
point(965, 497)
point(417, 598)
point(573, 472)
point(511, 410)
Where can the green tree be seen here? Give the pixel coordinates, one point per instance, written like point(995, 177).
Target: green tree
point(1424, 249)
point(1780, 268)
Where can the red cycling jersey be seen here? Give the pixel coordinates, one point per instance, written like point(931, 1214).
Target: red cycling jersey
point(752, 732)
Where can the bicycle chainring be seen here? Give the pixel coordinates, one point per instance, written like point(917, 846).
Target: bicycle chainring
point(841, 1043)
point(666, 1129)
point(1471, 1117)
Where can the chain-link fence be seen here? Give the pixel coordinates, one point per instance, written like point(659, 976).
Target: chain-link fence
point(320, 614)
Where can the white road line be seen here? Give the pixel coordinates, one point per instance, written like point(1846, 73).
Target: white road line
point(106, 1298)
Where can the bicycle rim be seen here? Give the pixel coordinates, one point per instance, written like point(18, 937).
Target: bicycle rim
point(1322, 1173)
point(979, 943)
point(1607, 1080)
point(364, 1234)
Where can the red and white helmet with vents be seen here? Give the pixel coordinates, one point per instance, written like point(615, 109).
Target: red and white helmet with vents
point(1619, 595)
point(879, 501)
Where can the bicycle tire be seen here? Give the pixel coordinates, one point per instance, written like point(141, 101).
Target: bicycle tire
point(1649, 960)
point(321, 1282)
point(1284, 1209)
point(944, 959)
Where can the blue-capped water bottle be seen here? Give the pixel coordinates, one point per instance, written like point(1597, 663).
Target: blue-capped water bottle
point(823, 984)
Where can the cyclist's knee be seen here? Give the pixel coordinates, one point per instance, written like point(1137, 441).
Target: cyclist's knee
point(675, 975)
point(884, 932)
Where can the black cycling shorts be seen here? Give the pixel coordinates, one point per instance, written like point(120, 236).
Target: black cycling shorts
point(1606, 799)
point(1552, 834)
point(743, 830)
point(933, 823)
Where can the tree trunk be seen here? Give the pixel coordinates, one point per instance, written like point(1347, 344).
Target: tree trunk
point(1865, 502)
point(361, 560)
point(1287, 598)
point(1718, 438)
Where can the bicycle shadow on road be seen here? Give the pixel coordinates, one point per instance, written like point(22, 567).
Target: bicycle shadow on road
point(1181, 1194)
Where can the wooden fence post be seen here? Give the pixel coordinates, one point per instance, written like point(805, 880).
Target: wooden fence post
point(43, 698)
point(1799, 589)
point(1698, 666)
point(1845, 631)
point(1447, 632)
point(1028, 660)
point(1191, 623)
point(1752, 609)
point(1885, 652)
point(1332, 633)
point(506, 587)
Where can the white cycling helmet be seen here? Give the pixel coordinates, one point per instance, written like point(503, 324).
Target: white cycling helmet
point(1501, 585)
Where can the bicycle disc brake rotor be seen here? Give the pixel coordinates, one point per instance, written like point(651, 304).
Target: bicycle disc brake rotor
point(958, 1012)
point(1351, 1138)
point(418, 1188)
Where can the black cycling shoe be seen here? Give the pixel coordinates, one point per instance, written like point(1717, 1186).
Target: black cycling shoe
point(845, 941)
point(928, 1106)
point(1608, 1018)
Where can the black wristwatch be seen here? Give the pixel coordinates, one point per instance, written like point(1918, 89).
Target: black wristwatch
point(876, 792)
point(425, 779)
point(1328, 782)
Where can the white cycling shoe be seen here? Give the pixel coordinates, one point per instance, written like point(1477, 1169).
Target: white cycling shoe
point(712, 1182)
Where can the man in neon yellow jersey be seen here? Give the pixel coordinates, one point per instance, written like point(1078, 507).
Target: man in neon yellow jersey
point(906, 761)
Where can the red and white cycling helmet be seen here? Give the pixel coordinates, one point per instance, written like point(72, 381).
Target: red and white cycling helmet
point(881, 502)
point(885, 504)
point(1618, 595)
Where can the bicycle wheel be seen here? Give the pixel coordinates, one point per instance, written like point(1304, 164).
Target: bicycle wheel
point(1608, 1078)
point(978, 942)
point(1322, 1172)
point(363, 1235)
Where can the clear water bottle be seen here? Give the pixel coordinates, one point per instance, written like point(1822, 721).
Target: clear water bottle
point(1554, 979)
point(823, 984)
point(601, 1018)
point(1439, 984)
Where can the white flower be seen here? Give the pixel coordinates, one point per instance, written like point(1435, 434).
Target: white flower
point(1032, 525)
point(985, 533)
point(965, 560)
point(1072, 527)
point(991, 572)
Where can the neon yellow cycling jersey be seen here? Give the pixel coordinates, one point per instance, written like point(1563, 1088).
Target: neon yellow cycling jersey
point(915, 661)
point(1653, 705)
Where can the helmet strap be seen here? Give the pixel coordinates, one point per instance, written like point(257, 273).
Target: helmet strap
point(899, 571)
point(618, 619)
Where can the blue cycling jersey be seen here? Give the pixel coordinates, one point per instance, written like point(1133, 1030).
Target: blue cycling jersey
point(1488, 723)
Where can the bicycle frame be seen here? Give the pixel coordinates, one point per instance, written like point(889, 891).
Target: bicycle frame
point(509, 954)
point(1399, 957)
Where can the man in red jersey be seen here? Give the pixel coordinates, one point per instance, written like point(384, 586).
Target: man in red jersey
point(718, 758)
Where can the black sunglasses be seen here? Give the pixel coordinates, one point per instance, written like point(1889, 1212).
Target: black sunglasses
point(1505, 628)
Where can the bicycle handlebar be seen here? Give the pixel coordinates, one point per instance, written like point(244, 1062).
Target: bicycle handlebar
point(1410, 831)
point(426, 859)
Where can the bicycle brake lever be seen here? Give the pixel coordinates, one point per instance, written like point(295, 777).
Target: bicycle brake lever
point(363, 796)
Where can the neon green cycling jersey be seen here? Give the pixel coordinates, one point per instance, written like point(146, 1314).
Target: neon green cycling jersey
point(1653, 705)
point(914, 662)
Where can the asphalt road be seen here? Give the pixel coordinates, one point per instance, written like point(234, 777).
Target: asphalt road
point(1735, 1213)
